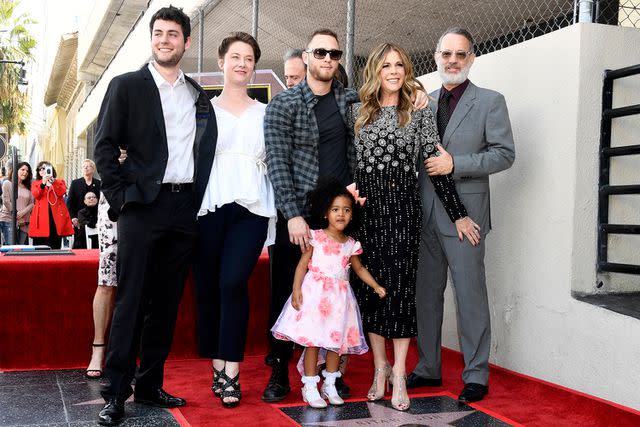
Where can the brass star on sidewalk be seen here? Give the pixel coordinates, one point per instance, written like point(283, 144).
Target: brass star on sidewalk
point(382, 415)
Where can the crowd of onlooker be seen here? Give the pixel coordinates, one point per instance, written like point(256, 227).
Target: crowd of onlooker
point(47, 213)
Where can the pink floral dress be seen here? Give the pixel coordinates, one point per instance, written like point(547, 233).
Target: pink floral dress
point(329, 317)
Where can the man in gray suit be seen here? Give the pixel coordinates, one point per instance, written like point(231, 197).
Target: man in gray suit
point(476, 141)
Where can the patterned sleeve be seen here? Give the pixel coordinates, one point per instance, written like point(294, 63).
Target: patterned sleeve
point(352, 114)
point(279, 144)
point(357, 248)
point(444, 185)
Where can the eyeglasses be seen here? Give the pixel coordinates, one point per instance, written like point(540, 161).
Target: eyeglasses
point(321, 53)
point(460, 54)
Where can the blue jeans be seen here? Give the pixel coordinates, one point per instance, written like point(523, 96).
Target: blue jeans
point(5, 228)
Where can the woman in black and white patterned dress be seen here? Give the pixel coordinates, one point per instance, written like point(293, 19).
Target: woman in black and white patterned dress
point(390, 140)
point(107, 282)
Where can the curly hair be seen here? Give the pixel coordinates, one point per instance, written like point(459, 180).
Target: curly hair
point(320, 200)
point(372, 87)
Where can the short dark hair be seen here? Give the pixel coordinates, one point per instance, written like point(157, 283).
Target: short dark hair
point(239, 37)
point(173, 14)
point(42, 163)
point(461, 31)
point(323, 32)
point(320, 199)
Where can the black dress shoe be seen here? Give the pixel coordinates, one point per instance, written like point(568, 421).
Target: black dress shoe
point(473, 392)
point(343, 390)
point(278, 386)
point(158, 398)
point(414, 381)
point(111, 413)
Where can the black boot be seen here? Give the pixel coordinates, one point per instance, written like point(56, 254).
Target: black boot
point(343, 390)
point(278, 386)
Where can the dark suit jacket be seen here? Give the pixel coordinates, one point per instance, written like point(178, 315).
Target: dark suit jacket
point(131, 117)
point(77, 191)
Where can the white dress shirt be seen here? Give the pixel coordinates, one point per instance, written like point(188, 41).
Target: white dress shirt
point(239, 172)
point(179, 111)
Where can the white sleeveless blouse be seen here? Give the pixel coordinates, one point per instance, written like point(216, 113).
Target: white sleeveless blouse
point(239, 172)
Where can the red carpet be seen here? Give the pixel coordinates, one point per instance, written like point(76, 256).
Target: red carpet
point(524, 400)
point(45, 323)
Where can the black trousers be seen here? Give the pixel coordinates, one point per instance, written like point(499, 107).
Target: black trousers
point(284, 257)
point(230, 241)
point(155, 248)
point(53, 240)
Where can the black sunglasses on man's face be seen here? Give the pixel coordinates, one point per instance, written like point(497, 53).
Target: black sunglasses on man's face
point(321, 53)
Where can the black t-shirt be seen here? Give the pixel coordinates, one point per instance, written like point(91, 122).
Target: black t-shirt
point(332, 150)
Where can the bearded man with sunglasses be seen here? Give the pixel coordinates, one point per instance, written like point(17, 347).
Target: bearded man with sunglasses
point(477, 141)
point(307, 138)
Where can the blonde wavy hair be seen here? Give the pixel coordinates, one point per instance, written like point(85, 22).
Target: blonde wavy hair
point(371, 89)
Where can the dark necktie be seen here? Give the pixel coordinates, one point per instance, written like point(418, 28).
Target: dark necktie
point(442, 116)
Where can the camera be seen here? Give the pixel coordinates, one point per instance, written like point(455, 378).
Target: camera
point(48, 170)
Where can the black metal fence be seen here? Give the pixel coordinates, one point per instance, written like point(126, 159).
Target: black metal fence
point(606, 190)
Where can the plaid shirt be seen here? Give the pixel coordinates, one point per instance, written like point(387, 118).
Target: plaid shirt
point(291, 137)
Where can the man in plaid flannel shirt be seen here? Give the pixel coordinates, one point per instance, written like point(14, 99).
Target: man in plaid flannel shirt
point(306, 138)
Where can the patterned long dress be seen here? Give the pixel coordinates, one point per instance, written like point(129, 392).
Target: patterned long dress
point(386, 174)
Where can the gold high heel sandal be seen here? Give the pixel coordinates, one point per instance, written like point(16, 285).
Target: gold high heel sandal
point(373, 395)
point(400, 385)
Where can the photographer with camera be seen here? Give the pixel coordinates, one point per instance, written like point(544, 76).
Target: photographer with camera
point(50, 220)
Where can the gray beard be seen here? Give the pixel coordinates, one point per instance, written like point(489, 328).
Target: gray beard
point(453, 79)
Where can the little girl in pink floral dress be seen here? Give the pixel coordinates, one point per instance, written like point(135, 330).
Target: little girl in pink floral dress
point(322, 312)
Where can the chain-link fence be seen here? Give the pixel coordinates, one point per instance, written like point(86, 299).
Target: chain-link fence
point(412, 24)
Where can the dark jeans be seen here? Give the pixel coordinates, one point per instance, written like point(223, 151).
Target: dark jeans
point(284, 257)
point(230, 241)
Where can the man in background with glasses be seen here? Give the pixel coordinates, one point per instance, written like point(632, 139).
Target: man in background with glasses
point(477, 141)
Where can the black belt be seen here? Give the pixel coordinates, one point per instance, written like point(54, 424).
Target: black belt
point(177, 188)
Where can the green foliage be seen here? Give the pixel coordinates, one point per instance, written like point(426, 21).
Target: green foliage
point(16, 44)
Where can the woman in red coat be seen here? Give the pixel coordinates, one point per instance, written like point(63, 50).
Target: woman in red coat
point(50, 220)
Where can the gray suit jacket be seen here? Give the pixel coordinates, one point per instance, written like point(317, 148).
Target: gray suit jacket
point(480, 140)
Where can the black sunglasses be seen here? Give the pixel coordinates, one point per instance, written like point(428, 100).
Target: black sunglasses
point(321, 53)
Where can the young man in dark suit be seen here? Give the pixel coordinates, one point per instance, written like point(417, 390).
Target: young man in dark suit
point(165, 122)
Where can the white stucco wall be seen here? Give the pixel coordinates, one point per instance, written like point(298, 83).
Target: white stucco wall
point(544, 211)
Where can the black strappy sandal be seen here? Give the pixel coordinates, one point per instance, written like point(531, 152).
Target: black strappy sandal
point(91, 371)
point(234, 384)
point(216, 387)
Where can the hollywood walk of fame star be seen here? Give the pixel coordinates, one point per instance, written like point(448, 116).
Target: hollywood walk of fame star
point(382, 415)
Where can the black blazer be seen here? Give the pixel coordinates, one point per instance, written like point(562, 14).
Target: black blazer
point(77, 190)
point(131, 117)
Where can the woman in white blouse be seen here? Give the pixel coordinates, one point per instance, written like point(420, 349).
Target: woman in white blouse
point(236, 218)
